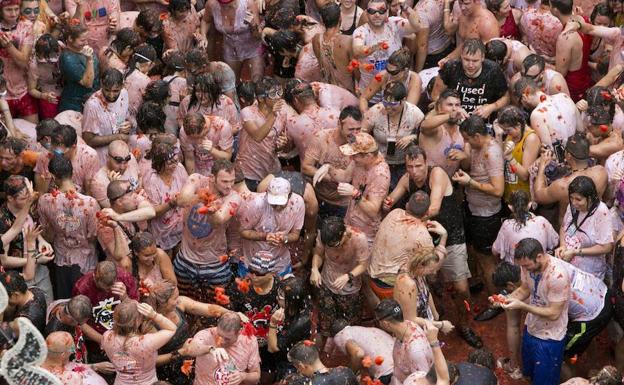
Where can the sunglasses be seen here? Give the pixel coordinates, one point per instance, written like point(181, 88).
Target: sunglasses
point(394, 72)
point(119, 159)
point(388, 103)
point(128, 191)
point(28, 11)
point(275, 94)
point(372, 11)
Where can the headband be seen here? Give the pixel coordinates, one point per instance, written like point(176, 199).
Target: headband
point(143, 57)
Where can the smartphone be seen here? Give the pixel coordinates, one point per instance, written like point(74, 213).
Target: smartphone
point(391, 147)
point(559, 151)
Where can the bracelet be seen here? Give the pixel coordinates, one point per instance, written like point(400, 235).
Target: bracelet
point(447, 10)
point(435, 344)
point(272, 326)
point(580, 252)
point(31, 251)
point(351, 277)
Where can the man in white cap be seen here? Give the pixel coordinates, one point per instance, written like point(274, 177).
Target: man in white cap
point(365, 182)
point(270, 221)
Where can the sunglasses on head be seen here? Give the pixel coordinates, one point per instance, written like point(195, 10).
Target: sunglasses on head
point(119, 159)
point(372, 11)
point(28, 11)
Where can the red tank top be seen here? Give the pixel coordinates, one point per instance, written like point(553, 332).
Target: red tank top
point(580, 80)
point(510, 29)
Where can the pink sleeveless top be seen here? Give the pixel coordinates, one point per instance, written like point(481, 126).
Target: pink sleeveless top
point(238, 42)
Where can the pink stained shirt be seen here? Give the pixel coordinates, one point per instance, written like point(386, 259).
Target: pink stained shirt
point(511, 232)
point(341, 260)
point(135, 84)
point(553, 286)
point(255, 159)
point(484, 163)
point(46, 75)
point(225, 109)
point(374, 181)
point(324, 150)
point(412, 354)
point(103, 118)
point(109, 60)
point(244, 356)
point(432, 16)
point(308, 67)
point(73, 222)
point(182, 30)
point(375, 342)
point(87, 375)
point(258, 215)
point(100, 181)
point(234, 240)
point(167, 228)
point(398, 233)
point(301, 128)
point(587, 294)
point(204, 243)
point(595, 230)
point(96, 18)
point(134, 358)
point(335, 97)
point(85, 164)
point(541, 28)
point(15, 76)
point(178, 88)
point(219, 132)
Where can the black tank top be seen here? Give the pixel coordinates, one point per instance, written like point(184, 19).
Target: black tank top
point(450, 215)
point(181, 334)
point(353, 26)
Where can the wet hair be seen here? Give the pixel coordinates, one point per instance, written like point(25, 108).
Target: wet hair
point(149, 20)
point(528, 248)
point(46, 127)
point(144, 53)
point(126, 38)
point(563, 6)
point(107, 272)
point(174, 61)
point(473, 125)
point(330, 15)
point(303, 352)
point(511, 116)
point(608, 375)
point(64, 135)
point(295, 297)
point(448, 93)
point(598, 115)
point(395, 90)
point(601, 97)
point(196, 57)
point(482, 357)
point(60, 167)
point(160, 153)
point(282, 18)
point(301, 91)
point(46, 45)
point(14, 185)
point(157, 92)
point(418, 204)
point(160, 293)
point(13, 282)
point(496, 50)
point(267, 83)
point(432, 376)
point(472, 46)
point(246, 91)
point(229, 322)
point(352, 112)
point(14, 145)
point(283, 40)
point(525, 86)
point(533, 60)
point(578, 146)
point(337, 326)
point(585, 187)
point(111, 78)
point(73, 31)
point(207, 84)
point(601, 9)
point(505, 272)
point(389, 309)
point(332, 230)
point(289, 87)
point(194, 123)
point(413, 152)
point(401, 58)
point(493, 5)
point(221, 165)
point(520, 207)
point(420, 257)
point(179, 6)
point(79, 307)
point(150, 116)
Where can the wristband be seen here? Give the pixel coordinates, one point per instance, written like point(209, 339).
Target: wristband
point(580, 252)
point(351, 277)
point(435, 344)
point(272, 326)
point(31, 251)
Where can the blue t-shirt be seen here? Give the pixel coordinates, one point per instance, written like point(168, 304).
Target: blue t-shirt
point(73, 66)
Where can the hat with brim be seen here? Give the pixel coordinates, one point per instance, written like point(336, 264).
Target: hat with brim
point(278, 191)
point(360, 143)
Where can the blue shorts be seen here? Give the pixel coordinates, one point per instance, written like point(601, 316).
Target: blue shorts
point(243, 270)
point(541, 359)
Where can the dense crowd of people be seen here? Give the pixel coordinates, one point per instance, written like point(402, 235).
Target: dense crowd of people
point(225, 192)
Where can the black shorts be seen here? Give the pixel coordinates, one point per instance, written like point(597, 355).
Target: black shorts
point(481, 232)
point(433, 59)
point(581, 333)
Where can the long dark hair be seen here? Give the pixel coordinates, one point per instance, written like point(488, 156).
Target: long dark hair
point(296, 298)
point(144, 53)
point(206, 83)
point(585, 187)
point(141, 241)
point(520, 206)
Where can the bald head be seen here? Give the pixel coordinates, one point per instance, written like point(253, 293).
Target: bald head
point(118, 156)
point(59, 343)
point(118, 148)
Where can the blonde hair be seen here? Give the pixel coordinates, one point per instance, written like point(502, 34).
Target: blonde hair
point(160, 293)
point(421, 256)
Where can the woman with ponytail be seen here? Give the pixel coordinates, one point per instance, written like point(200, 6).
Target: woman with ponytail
point(586, 234)
point(136, 79)
point(522, 224)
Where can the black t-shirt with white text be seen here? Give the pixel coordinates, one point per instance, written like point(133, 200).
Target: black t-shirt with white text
point(486, 88)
